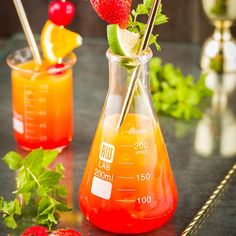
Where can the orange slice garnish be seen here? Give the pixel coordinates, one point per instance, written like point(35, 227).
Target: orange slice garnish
point(57, 42)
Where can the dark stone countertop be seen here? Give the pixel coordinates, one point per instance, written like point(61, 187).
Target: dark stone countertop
point(197, 174)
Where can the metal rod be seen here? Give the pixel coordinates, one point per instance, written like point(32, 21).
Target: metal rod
point(209, 203)
point(137, 70)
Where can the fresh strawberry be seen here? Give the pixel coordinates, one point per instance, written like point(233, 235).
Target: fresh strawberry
point(64, 232)
point(113, 11)
point(35, 231)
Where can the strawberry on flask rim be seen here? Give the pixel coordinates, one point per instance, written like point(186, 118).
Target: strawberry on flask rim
point(113, 11)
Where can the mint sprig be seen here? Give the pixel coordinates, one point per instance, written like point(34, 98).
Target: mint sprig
point(37, 185)
point(137, 26)
point(173, 93)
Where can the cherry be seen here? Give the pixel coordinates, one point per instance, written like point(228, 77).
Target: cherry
point(56, 69)
point(61, 13)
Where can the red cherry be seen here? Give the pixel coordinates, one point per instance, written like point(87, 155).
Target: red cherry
point(56, 69)
point(61, 13)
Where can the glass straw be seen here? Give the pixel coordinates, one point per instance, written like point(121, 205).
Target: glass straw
point(136, 74)
point(28, 32)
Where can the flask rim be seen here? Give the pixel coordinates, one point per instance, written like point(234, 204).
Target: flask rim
point(142, 58)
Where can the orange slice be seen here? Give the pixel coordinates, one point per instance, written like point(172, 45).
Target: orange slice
point(57, 42)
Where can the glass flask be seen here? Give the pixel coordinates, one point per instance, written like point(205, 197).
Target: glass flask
point(128, 185)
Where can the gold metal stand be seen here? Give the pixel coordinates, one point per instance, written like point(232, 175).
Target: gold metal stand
point(219, 51)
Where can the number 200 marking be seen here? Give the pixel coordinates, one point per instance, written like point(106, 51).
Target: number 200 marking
point(141, 145)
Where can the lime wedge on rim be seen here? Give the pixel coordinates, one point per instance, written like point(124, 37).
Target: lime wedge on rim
point(122, 41)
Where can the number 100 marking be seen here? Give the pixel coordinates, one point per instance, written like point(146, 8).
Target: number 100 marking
point(144, 200)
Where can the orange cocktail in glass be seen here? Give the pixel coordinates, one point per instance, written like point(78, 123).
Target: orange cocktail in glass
point(42, 101)
point(137, 192)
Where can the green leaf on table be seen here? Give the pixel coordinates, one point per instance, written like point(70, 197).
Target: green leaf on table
point(28, 187)
point(49, 178)
point(36, 183)
point(34, 161)
point(60, 168)
point(173, 93)
point(9, 210)
point(13, 160)
point(61, 191)
point(49, 157)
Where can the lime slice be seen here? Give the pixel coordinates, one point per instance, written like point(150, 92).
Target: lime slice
point(122, 41)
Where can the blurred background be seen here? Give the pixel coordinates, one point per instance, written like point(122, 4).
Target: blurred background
point(187, 21)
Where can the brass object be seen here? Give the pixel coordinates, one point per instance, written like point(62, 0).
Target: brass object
point(195, 223)
point(219, 51)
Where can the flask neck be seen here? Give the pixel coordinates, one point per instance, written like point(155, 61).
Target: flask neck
point(121, 70)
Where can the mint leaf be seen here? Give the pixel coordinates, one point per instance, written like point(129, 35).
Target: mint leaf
point(60, 190)
point(36, 183)
point(137, 26)
point(9, 210)
point(1, 203)
point(49, 157)
point(29, 186)
point(173, 93)
point(34, 161)
point(49, 178)
point(10, 222)
point(13, 160)
point(59, 168)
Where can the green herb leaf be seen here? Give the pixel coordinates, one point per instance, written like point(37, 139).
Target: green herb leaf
point(13, 160)
point(49, 157)
point(135, 25)
point(49, 178)
point(36, 182)
point(174, 94)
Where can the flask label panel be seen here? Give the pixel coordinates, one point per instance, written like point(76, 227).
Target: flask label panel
point(107, 152)
point(18, 125)
point(101, 188)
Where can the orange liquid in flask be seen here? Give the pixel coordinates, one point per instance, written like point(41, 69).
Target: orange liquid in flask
point(128, 186)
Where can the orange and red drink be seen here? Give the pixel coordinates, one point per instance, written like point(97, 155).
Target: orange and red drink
point(128, 186)
point(42, 101)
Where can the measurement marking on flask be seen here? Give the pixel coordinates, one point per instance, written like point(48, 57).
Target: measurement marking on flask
point(125, 200)
point(28, 131)
point(31, 137)
point(126, 163)
point(27, 118)
point(125, 177)
point(126, 145)
point(30, 125)
point(30, 112)
point(29, 105)
point(126, 189)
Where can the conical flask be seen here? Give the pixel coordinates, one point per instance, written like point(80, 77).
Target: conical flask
point(128, 185)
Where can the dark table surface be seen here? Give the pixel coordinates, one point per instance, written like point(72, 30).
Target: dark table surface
point(201, 151)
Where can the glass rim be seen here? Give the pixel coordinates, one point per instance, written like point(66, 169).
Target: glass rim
point(68, 65)
point(142, 58)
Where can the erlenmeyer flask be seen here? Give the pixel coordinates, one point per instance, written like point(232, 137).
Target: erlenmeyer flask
point(128, 186)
